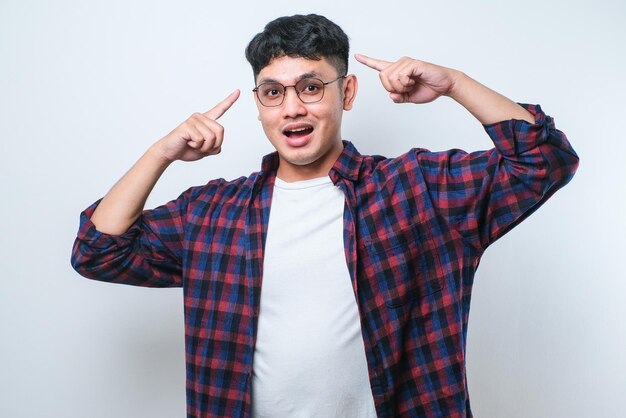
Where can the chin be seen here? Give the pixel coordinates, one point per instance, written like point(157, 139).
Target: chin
point(300, 159)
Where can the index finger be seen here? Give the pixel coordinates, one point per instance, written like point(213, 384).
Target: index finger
point(221, 108)
point(374, 63)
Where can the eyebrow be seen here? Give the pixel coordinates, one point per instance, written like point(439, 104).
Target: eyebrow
point(309, 74)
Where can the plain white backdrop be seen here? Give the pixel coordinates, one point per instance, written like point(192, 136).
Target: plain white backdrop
point(86, 87)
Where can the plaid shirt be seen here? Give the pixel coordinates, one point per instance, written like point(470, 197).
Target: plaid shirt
point(415, 228)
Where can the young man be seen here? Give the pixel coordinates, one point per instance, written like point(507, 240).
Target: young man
point(328, 284)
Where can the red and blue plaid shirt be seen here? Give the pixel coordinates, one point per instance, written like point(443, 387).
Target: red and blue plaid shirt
point(415, 228)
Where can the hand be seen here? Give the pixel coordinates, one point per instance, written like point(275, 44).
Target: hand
point(198, 136)
point(411, 81)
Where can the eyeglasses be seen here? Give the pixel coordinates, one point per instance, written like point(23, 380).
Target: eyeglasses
point(309, 90)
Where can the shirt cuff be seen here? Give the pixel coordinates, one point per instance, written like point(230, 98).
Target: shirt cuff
point(514, 137)
point(88, 234)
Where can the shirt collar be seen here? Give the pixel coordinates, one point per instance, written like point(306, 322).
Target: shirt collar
point(347, 166)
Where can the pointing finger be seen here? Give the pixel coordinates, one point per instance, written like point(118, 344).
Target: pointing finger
point(373, 63)
point(223, 106)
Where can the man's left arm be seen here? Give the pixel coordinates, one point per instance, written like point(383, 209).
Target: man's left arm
point(412, 81)
point(482, 194)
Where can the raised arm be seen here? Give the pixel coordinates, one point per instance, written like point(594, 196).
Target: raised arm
point(197, 137)
point(412, 81)
point(481, 194)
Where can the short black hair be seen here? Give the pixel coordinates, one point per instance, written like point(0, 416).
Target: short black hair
point(309, 36)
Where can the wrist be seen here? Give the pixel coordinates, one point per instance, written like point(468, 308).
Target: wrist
point(158, 156)
point(458, 83)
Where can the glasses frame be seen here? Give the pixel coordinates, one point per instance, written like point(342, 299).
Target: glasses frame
point(324, 84)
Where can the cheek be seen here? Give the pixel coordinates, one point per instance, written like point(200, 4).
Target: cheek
point(270, 129)
point(328, 114)
point(266, 121)
point(331, 117)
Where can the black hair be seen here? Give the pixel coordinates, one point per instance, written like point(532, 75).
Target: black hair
point(309, 36)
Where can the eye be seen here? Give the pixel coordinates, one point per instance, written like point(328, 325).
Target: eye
point(270, 91)
point(310, 87)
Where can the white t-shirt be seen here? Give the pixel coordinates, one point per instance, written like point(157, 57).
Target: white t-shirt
point(309, 359)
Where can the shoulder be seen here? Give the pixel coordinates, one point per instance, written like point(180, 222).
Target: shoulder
point(222, 190)
point(378, 164)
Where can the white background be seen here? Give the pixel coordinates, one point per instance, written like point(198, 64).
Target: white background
point(86, 87)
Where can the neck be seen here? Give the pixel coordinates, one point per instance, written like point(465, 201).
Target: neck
point(290, 172)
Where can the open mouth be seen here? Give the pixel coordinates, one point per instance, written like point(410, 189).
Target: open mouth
point(298, 132)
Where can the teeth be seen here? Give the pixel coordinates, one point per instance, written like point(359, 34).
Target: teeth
point(298, 130)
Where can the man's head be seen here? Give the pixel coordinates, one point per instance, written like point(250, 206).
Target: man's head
point(308, 36)
point(300, 65)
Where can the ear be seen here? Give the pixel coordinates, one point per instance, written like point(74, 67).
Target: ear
point(350, 87)
point(258, 105)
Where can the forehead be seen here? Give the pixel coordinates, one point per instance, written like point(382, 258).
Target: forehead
point(289, 69)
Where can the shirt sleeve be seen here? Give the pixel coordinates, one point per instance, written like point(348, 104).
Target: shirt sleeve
point(486, 193)
point(148, 254)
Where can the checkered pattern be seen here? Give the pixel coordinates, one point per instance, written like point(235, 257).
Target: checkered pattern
point(415, 228)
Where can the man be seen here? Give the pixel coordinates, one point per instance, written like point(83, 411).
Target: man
point(329, 283)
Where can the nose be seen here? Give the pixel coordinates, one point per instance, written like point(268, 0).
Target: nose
point(292, 105)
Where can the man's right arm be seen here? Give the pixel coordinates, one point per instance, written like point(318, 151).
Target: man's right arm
point(199, 136)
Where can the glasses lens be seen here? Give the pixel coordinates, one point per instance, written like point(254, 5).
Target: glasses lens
point(310, 90)
point(271, 94)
